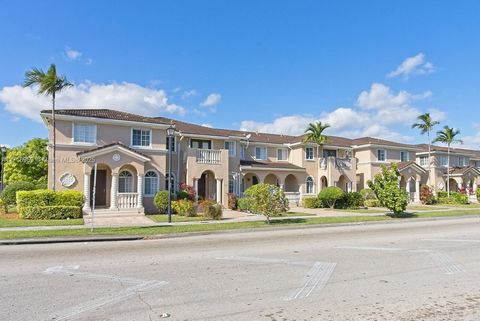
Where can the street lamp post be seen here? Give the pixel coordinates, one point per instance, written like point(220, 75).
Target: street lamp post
point(3, 149)
point(170, 135)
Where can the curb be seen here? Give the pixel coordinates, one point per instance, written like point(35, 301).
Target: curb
point(53, 240)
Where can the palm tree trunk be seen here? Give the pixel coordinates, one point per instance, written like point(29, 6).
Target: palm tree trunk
point(54, 143)
point(448, 171)
point(429, 157)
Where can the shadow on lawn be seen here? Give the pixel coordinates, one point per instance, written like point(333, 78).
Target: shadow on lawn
point(402, 215)
point(287, 221)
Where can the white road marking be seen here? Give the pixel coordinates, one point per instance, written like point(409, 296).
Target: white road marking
point(452, 240)
point(445, 262)
point(137, 286)
point(371, 248)
point(316, 278)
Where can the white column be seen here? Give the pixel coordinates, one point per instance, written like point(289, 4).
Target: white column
point(86, 192)
point(113, 192)
point(195, 186)
point(218, 191)
point(417, 190)
point(140, 192)
point(407, 188)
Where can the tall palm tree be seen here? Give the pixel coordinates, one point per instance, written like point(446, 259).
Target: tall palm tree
point(426, 125)
point(448, 136)
point(49, 83)
point(314, 134)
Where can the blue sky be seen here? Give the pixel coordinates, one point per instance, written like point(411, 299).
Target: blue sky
point(365, 67)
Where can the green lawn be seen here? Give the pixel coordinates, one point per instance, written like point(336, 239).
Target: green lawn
point(362, 210)
point(162, 218)
point(444, 213)
point(7, 222)
point(188, 228)
point(425, 207)
point(288, 214)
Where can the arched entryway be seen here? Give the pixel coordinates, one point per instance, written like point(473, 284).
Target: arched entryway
point(343, 183)
point(271, 179)
point(248, 180)
point(102, 186)
point(206, 186)
point(291, 184)
point(323, 182)
point(453, 185)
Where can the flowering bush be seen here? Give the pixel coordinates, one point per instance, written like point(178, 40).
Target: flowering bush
point(189, 190)
point(184, 207)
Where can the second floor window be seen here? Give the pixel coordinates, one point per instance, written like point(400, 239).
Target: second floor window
point(242, 152)
point(261, 153)
point(423, 160)
point(477, 164)
point(443, 160)
point(230, 146)
point(141, 137)
point(381, 155)
point(84, 133)
point(170, 142)
point(404, 156)
point(282, 154)
point(461, 161)
point(309, 153)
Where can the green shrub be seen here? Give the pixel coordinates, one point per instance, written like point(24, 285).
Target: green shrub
point(267, 199)
point(244, 204)
point(478, 193)
point(182, 195)
point(9, 194)
point(213, 211)
point(352, 200)
point(330, 195)
point(311, 202)
point(455, 198)
point(161, 201)
point(390, 195)
point(41, 197)
point(372, 203)
point(184, 207)
point(232, 201)
point(368, 194)
point(51, 212)
point(69, 198)
point(3, 207)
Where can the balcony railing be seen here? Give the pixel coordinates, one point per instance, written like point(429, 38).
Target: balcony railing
point(343, 163)
point(127, 200)
point(208, 156)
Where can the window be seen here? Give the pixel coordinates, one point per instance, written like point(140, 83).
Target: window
point(125, 182)
point(282, 154)
point(170, 141)
point(172, 182)
point(231, 184)
point(200, 144)
point(443, 160)
point(141, 137)
point(261, 153)
point(84, 133)
point(381, 155)
point(309, 185)
point(242, 152)
point(329, 153)
point(404, 156)
point(477, 164)
point(151, 183)
point(461, 161)
point(423, 160)
point(309, 153)
point(231, 146)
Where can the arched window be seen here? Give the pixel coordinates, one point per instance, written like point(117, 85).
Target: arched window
point(125, 182)
point(172, 182)
point(151, 183)
point(309, 185)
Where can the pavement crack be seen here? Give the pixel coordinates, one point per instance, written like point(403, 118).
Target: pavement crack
point(146, 303)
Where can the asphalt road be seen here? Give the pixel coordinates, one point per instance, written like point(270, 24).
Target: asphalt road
point(405, 271)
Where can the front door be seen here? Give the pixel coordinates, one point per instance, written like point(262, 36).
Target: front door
point(101, 190)
point(201, 186)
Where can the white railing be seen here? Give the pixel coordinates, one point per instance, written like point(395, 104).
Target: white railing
point(343, 163)
point(209, 156)
point(293, 197)
point(127, 200)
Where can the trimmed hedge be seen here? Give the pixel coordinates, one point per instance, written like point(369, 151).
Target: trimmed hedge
point(311, 202)
point(351, 200)
point(58, 212)
point(455, 198)
point(8, 195)
point(47, 204)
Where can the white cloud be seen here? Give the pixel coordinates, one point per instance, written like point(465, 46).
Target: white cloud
point(207, 125)
point(343, 117)
point(189, 93)
point(287, 125)
point(73, 54)
point(437, 115)
point(211, 100)
point(415, 65)
point(123, 96)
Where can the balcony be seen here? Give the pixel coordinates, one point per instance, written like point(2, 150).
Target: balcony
point(208, 156)
point(335, 162)
point(343, 163)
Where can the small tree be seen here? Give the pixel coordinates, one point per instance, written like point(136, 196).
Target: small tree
point(161, 201)
point(27, 163)
point(388, 191)
point(267, 199)
point(330, 195)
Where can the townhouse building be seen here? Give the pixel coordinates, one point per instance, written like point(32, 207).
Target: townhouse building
point(130, 153)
